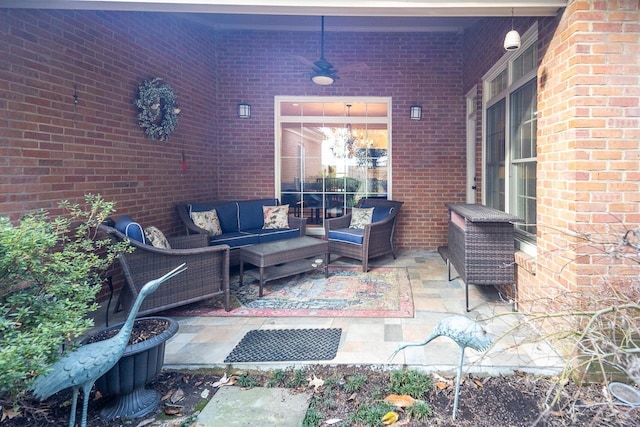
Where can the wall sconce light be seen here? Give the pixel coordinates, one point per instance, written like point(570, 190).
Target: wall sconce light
point(244, 111)
point(415, 112)
point(512, 39)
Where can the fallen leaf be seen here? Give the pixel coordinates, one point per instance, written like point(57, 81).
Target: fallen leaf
point(172, 409)
point(9, 413)
point(400, 401)
point(98, 395)
point(221, 381)
point(441, 385)
point(225, 381)
point(333, 421)
point(478, 383)
point(353, 396)
point(439, 377)
point(167, 395)
point(315, 382)
point(177, 396)
point(390, 418)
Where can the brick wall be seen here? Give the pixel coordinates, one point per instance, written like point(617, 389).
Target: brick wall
point(52, 150)
point(588, 142)
point(424, 68)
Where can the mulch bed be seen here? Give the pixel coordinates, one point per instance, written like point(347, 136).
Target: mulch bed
point(516, 400)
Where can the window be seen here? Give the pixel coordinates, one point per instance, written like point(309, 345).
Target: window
point(510, 115)
point(330, 153)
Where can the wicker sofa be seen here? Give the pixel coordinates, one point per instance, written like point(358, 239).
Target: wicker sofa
point(241, 224)
point(207, 273)
point(374, 240)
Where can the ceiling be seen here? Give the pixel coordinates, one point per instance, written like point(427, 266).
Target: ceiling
point(302, 15)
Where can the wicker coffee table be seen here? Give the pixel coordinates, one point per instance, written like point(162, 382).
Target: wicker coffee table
point(283, 258)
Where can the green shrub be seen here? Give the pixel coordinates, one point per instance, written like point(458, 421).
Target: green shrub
point(415, 384)
point(355, 382)
point(370, 414)
point(49, 277)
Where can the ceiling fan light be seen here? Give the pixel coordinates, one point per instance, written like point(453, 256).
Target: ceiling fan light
point(323, 79)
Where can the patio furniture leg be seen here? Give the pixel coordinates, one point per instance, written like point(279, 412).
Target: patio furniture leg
point(466, 291)
point(261, 280)
point(241, 271)
point(326, 264)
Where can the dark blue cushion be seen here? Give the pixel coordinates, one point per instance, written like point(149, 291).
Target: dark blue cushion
point(380, 213)
point(350, 235)
point(130, 228)
point(250, 214)
point(235, 239)
point(227, 214)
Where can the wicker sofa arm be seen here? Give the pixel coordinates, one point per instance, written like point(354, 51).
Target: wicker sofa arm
point(384, 226)
point(189, 242)
point(337, 223)
point(191, 228)
point(299, 223)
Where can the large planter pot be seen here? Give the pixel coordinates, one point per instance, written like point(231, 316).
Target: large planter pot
point(140, 364)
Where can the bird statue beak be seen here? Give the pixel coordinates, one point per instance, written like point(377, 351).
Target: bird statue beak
point(179, 269)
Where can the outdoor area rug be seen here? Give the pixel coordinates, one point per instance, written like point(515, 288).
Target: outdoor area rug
point(274, 345)
point(348, 292)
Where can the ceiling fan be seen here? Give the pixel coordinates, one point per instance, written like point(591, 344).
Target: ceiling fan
point(324, 73)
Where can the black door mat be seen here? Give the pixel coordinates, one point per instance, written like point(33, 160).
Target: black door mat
point(274, 345)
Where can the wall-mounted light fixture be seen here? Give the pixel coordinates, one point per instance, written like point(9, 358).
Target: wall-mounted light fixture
point(244, 111)
point(415, 112)
point(512, 39)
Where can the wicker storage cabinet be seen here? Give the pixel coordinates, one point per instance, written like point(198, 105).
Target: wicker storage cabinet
point(481, 245)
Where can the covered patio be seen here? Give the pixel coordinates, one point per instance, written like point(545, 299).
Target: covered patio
point(205, 342)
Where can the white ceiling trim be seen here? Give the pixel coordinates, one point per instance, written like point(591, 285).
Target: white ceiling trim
point(423, 8)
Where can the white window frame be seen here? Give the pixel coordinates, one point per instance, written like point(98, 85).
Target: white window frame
point(527, 40)
point(278, 119)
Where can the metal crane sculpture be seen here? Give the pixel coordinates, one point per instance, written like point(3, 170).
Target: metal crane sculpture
point(82, 367)
point(466, 333)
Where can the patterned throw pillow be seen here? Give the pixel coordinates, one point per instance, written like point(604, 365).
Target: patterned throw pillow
point(156, 238)
point(360, 217)
point(276, 216)
point(207, 220)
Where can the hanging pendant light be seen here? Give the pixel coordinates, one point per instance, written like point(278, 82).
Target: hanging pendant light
point(512, 39)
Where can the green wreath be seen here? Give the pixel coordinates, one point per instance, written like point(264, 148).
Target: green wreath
point(158, 111)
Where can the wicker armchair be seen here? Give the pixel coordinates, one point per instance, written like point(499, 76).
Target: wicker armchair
point(376, 239)
point(207, 273)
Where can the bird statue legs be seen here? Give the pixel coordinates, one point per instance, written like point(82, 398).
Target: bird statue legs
point(458, 377)
point(85, 402)
point(74, 404)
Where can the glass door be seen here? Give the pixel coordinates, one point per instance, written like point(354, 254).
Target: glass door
point(330, 155)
